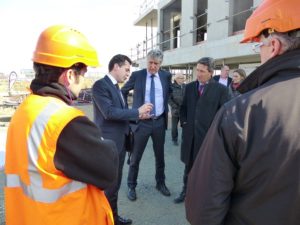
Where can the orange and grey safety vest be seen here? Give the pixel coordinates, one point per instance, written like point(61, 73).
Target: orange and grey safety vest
point(36, 193)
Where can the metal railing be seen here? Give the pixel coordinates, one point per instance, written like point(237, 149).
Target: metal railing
point(142, 48)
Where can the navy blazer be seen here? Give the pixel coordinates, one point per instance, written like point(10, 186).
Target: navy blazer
point(110, 112)
point(137, 83)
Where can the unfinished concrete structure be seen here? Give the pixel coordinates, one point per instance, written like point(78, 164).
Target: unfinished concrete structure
point(187, 30)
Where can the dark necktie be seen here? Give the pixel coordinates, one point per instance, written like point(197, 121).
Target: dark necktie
point(152, 94)
point(200, 89)
point(118, 88)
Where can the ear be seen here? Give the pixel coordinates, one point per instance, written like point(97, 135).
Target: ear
point(116, 66)
point(277, 47)
point(66, 77)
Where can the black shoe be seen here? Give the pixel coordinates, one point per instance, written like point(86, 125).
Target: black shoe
point(131, 194)
point(180, 198)
point(163, 189)
point(124, 221)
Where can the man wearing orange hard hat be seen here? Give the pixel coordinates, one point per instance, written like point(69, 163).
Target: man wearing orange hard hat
point(57, 163)
point(248, 168)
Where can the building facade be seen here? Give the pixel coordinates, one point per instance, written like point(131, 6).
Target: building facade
point(187, 30)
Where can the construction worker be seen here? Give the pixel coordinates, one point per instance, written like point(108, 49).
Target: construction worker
point(57, 164)
point(248, 168)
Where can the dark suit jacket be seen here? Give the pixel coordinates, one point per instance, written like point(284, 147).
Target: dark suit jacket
point(110, 113)
point(137, 82)
point(217, 78)
point(197, 113)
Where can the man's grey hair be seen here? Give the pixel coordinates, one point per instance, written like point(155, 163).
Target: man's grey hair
point(289, 40)
point(155, 54)
point(209, 62)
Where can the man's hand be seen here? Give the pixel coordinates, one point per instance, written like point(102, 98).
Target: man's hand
point(144, 111)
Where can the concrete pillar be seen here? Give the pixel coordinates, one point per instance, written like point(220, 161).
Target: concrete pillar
point(187, 23)
point(217, 18)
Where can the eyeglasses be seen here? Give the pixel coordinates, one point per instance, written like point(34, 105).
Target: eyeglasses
point(256, 47)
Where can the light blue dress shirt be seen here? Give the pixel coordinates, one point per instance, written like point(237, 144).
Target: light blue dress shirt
point(159, 97)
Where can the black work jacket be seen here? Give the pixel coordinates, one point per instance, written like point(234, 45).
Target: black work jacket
point(81, 152)
point(248, 169)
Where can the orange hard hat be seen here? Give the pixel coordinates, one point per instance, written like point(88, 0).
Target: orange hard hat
point(278, 15)
point(63, 46)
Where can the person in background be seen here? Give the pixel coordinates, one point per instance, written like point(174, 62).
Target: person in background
point(175, 101)
point(151, 85)
point(248, 168)
point(59, 166)
point(224, 78)
point(111, 115)
point(237, 78)
point(202, 99)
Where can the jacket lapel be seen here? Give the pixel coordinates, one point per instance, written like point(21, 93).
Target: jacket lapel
point(196, 93)
point(163, 83)
point(114, 90)
point(143, 77)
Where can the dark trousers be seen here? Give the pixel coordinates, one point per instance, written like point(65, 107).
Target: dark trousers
point(112, 192)
point(187, 168)
point(174, 131)
point(156, 130)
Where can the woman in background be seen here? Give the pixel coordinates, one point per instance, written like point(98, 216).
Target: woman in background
point(238, 76)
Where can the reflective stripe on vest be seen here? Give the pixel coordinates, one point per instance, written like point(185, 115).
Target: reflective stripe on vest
point(35, 190)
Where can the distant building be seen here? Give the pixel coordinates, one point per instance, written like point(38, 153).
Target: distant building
point(187, 30)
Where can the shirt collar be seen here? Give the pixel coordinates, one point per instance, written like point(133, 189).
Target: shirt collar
point(149, 74)
point(202, 83)
point(113, 80)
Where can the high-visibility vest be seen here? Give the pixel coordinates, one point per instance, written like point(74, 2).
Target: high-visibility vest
point(36, 193)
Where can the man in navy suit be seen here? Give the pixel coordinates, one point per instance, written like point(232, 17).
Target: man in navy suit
point(149, 85)
point(224, 78)
point(202, 100)
point(112, 115)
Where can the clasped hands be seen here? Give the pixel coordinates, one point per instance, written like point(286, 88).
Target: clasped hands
point(144, 111)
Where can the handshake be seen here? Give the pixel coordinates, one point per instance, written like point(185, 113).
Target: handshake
point(145, 111)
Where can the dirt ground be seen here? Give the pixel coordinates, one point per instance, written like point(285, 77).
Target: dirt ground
point(150, 208)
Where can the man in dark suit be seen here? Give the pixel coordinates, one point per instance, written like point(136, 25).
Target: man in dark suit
point(149, 85)
point(224, 78)
point(201, 101)
point(112, 115)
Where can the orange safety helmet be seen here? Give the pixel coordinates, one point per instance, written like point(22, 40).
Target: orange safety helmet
point(278, 15)
point(63, 46)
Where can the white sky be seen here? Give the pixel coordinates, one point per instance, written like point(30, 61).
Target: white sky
point(108, 24)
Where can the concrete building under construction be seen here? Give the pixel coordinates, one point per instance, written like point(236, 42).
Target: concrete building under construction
point(187, 30)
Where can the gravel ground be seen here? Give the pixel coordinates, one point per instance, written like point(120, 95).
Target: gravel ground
point(150, 208)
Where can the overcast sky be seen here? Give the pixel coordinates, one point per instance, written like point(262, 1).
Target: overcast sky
point(108, 24)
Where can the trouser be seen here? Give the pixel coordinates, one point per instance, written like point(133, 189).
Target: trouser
point(156, 130)
point(188, 167)
point(112, 192)
point(174, 131)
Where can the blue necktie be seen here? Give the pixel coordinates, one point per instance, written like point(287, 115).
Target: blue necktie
point(152, 94)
